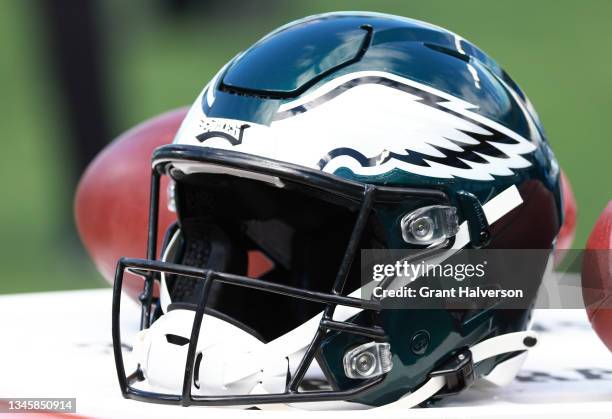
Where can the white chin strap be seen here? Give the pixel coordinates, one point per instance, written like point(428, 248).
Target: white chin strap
point(161, 352)
point(233, 361)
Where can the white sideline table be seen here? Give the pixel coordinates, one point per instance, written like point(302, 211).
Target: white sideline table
point(58, 344)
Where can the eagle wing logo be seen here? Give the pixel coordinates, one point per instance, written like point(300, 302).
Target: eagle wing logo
point(373, 123)
point(416, 128)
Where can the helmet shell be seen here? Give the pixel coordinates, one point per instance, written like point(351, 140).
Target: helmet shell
point(391, 101)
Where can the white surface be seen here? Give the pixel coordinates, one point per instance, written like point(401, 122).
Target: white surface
point(59, 345)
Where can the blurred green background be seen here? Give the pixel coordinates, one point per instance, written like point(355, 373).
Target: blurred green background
point(158, 57)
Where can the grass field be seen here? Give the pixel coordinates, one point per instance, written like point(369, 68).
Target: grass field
point(558, 51)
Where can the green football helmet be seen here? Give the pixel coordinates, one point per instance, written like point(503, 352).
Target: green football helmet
point(333, 134)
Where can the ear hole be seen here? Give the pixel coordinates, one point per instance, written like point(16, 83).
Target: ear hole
point(177, 340)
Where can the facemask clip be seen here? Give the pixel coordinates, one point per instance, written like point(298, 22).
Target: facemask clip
point(429, 225)
point(368, 360)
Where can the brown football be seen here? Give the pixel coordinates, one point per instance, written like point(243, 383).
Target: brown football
point(597, 276)
point(112, 199)
point(568, 229)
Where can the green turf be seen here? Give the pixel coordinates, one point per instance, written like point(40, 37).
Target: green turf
point(558, 51)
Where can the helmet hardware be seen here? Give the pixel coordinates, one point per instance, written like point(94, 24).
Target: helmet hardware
point(429, 225)
point(368, 360)
point(458, 371)
point(478, 226)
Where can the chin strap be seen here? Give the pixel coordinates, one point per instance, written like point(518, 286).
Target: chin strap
point(458, 373)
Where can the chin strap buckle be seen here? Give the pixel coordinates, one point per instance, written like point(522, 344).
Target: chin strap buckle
point(458, 373)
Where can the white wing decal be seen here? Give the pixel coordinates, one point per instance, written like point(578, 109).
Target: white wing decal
point(373, 123)
point(389, 122)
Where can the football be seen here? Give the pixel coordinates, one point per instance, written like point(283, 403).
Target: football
point(597, 277)
point(111, 202)
point(566, 235)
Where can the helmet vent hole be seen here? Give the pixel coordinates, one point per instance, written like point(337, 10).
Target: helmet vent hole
point(196, 371)
point(176, 340)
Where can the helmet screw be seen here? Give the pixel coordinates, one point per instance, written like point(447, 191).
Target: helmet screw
point(365, 364)
point(420, 342)
point(176, 173)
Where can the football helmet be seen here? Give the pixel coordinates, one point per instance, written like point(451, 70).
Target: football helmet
point(332, 134)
